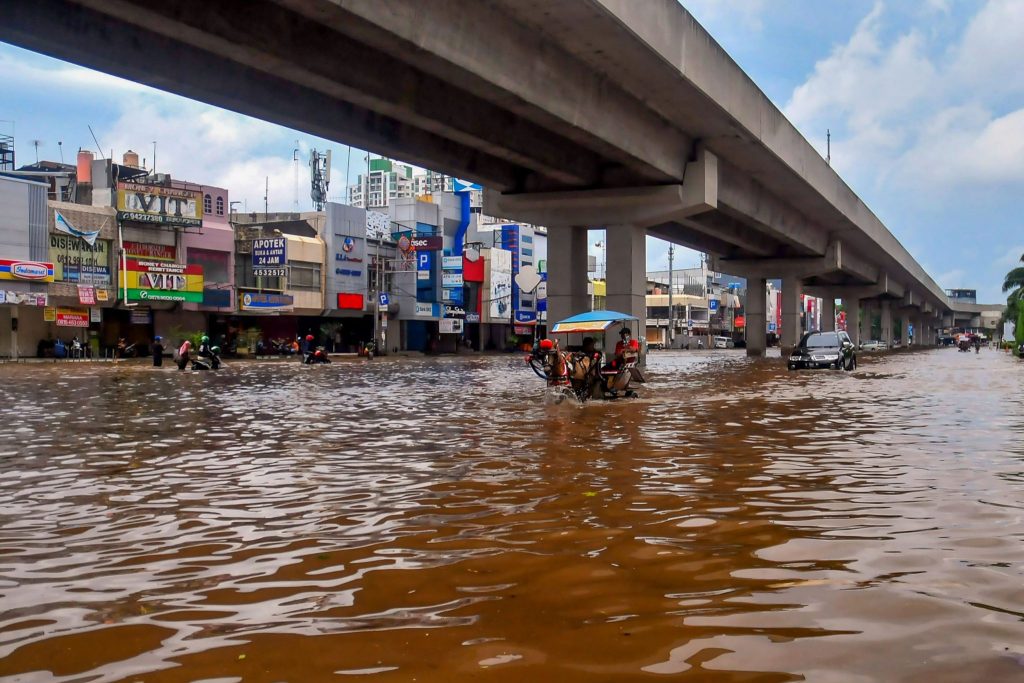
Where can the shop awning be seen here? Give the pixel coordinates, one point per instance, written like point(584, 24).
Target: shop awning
point(591, 321)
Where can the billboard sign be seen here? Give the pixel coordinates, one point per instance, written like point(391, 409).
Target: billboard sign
point(451, 262)
point(501, 284)
point(86, 295)
point(451, 278)
point(454, 311)
point(270, 251)
point(158, 204)
point(163, 281)
point(75, 260)
point(450, 326)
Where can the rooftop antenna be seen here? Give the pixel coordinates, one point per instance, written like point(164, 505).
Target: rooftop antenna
point(154, 157)
point(60, 146)
point(295, 164)
point(99, 147)
point(266, 200)
point(828, 146)
point(36, 143)
point(319, 177)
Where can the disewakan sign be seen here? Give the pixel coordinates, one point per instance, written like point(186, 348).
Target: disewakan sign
point(157, 204)
point(75, 260)
point(163, 281)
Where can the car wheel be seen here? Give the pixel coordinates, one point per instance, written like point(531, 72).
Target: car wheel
point(791, 367)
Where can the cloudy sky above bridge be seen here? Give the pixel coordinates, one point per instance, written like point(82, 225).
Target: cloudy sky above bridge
point(924, 100)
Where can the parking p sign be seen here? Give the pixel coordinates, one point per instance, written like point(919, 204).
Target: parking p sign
point(383, 299)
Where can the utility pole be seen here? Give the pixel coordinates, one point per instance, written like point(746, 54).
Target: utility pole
point(671, 312)
point(828, 146)
point(266, 200)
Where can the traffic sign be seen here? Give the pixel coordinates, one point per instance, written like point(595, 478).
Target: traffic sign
point(383, 298)
point(713, 305)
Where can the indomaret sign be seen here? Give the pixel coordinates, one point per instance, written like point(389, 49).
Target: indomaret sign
point(157, 204)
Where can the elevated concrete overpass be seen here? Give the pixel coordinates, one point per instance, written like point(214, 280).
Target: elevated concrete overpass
point(573, 113)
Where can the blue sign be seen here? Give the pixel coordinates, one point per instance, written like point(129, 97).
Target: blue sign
point(526, 317)
point(272, 251)
point(453, 295)
point(219, 298)
point(459, 185)
point(713, 305)
point(253, 301)
point(384, 298)
point(771, 327)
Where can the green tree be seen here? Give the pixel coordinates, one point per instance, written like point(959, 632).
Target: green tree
point(1014, 284)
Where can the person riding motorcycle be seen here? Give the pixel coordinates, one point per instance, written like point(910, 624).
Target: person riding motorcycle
point(209, 355)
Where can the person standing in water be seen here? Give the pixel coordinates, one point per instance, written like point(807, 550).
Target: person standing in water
point(158, 351)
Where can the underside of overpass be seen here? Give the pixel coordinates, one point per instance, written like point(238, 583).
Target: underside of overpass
point(572, 113)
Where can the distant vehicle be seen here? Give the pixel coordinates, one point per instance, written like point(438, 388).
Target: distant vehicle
point(722, 343)
point(874, 345)
point(823, 350)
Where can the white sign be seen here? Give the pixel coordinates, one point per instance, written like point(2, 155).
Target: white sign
point(424, 310)
point(451, 279)
point(378, 225)
point(501, 284)
point(422, 274)
point(451, 263)
point(542, 290)
point(95, 315)
point(450, 326)
point(527, 279)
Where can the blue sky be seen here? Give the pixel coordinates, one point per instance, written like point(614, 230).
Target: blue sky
point(924, 98)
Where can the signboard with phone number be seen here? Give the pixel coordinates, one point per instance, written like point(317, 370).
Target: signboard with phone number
point(270, 272)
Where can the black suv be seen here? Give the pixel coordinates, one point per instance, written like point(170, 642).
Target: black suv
point(823, 350)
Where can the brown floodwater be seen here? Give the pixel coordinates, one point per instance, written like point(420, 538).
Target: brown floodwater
point(440, 520)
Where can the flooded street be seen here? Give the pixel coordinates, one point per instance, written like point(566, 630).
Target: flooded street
point(438, 520)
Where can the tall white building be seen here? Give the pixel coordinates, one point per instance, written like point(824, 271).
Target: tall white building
point(386, 181)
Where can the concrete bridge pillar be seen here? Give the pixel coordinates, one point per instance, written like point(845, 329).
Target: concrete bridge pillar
point(627, 272)
point(828, 313)
point(755, 312)
point(792, 290)
point(567, 272)
point(867, 318)
point(886, 316)
point(902, 335)
point(852, 307)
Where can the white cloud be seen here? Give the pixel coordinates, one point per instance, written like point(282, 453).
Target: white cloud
point(83, 82)
point(746, 13)
point(909, 110)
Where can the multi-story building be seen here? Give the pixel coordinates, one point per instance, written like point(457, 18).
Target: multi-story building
point(385, 181)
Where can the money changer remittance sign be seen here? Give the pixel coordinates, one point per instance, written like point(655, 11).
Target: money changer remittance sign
point(163, 281)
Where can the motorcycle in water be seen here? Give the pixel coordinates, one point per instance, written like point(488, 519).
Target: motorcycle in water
point(207, 362)
point(316, 357)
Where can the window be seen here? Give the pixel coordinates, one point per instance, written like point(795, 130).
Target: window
point(304, 275)
point(526, 239)
point(220, 206)
point(207, 204)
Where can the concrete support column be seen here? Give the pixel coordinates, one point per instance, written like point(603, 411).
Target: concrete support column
point(828, 313)
point(755, 312)
point(886, 322)
point(627, 272)
point(866, 323)
point(567, 273)
point(918, 331)
point(792, 289)
point(902, 320)
point(852, 307)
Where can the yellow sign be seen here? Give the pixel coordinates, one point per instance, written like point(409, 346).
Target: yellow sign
point(74, 260)
point(49, 314)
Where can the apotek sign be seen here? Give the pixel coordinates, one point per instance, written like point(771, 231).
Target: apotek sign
point(271, 251)
point(162, 281)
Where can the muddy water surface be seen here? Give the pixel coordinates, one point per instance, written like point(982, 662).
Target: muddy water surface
point(437, 520)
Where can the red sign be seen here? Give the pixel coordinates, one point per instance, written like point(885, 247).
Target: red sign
point(432, 243)
point(153, 251)
point(73, 317)
point(86, 295)
point(740, 322)
point(351, 302)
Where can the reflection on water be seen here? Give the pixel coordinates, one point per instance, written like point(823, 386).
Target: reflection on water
point(437, 520)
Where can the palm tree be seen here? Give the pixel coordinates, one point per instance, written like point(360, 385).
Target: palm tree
point(1014, 284)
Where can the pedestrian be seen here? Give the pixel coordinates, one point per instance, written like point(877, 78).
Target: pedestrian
point(122, 347)
point(183, 354)
point(158, 351)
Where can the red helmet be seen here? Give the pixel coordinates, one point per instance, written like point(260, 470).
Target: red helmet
point(309, 337)
point(547, 344)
